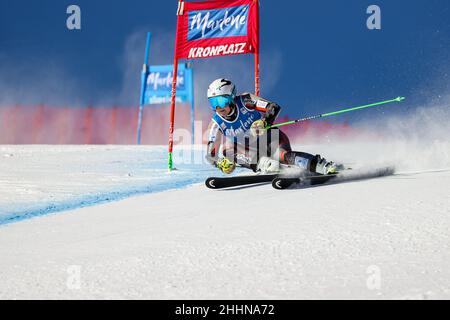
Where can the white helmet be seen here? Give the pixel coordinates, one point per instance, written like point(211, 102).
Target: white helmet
point(221, 87)
point(221, 93)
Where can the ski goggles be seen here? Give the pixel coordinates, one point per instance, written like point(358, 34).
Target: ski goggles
point(220, 102)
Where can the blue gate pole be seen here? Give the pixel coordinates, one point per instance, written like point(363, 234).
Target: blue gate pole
point(144, 75)
point(192, 106)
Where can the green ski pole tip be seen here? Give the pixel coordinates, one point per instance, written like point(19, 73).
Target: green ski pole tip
point(400, 98)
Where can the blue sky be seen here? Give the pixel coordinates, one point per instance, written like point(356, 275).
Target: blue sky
point(315, 55)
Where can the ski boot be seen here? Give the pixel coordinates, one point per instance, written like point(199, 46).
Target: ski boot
point(325, 167)
point(316, 164)
point(312, 164)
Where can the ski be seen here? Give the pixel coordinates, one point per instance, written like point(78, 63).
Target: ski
point(281, 182)
point(235, 181)
point(284, 182)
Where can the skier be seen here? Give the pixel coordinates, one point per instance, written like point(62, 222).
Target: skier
point(239, 123)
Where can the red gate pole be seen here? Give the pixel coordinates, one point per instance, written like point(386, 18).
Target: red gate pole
point(174, 87)
point(257, 51)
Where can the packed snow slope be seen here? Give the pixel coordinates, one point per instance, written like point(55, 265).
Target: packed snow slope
point(37, 180)
point(380, 238)
point(166, 236)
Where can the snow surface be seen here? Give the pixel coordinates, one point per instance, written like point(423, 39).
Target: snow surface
point(383, 238)
point(36, 180)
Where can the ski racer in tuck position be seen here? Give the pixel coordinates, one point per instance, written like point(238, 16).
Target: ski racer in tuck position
point(238, 125)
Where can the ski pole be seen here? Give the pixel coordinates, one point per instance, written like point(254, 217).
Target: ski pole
point(398, 99)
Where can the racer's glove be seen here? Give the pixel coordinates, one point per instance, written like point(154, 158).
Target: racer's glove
point(258, 127)
point(268, 165)
point(225, 165)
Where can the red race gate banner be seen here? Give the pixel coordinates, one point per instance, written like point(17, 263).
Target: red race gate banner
point(211, 29)
point(217, 28)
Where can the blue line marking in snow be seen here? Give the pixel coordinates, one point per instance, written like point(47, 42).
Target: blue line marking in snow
point(28, 211)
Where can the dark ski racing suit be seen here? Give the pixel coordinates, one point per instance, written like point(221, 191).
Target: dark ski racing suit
point(233, 133)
